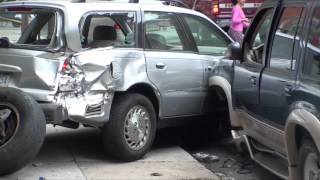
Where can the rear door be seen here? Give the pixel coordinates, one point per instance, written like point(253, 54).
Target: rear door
point(278, 79)
point(210, 41)
point(172, 65)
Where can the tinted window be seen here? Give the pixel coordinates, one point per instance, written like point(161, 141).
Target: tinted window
point(162, 32)
point(255, 49)
point(283, 46)
point(109, 29)
point(208, 38)
point(312, 64)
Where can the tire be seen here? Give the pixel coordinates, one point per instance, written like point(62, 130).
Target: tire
point(24, 128)
point(308, 159)
point(118, 141)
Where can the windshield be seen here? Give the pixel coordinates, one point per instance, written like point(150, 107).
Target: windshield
point(28, 27)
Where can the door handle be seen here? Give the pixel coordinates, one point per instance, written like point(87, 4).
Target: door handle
point(209, 68)
point(253, 80)
point(160, 65)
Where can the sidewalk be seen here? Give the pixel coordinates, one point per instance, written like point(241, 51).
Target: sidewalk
point(78, 155)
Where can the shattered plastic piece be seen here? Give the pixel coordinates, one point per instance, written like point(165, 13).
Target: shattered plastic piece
point(228, 163)
point(204, 157)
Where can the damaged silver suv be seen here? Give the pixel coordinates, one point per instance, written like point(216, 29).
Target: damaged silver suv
point(124, 68)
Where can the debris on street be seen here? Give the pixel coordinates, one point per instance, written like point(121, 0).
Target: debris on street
point(204, 157)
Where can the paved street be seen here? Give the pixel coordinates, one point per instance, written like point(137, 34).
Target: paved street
point(78, 155)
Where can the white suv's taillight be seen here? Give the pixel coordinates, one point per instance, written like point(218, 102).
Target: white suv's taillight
point(71, 76)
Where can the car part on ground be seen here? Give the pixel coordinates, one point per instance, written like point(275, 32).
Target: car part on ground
point(22, 129)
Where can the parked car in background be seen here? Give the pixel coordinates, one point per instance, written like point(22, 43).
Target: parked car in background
point(274, 92)
point(127, 69)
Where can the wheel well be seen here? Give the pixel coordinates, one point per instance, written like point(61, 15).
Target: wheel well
point(218, 105)
point(218, 98)
point(147, 91)
point(300, 134)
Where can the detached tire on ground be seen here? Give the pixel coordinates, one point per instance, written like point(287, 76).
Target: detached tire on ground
point(22, 129)
point(130, 133)
point(309, 160)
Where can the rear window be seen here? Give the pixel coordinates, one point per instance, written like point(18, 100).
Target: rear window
point(28, 27)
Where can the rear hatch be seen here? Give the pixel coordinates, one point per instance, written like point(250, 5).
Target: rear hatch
point(28, 56)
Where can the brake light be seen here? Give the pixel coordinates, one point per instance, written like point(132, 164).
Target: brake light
point(67, 66)
point(215, 9)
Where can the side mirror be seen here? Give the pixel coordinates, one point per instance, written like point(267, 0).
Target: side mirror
point(4, 42)
point(234, 51)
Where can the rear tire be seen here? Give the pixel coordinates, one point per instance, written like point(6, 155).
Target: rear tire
point(309, 160)
point(22, 133)
point(130, 133)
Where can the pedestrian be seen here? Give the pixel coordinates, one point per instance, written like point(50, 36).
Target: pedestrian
point(238, 21)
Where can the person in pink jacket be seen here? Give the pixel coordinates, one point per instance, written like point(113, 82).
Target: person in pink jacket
point(238, 22)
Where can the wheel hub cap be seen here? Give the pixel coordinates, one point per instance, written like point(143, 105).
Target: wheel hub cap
point(8, 122)
point(137, 127)
point(312, 168)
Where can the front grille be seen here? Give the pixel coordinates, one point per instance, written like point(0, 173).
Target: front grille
point(95, 109)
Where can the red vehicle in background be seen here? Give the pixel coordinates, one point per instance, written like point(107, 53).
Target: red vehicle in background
point(221, 10)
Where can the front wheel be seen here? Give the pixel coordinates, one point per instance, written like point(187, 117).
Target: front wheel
point(309, 161)
point(131, 130)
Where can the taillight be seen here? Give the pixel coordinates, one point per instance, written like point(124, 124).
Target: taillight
point(215, 9)
point(67, 66)
point(71, 76)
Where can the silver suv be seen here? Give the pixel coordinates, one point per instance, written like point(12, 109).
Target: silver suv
point(124, 68)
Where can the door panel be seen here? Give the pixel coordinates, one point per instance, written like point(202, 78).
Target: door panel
point(246, 86)
point(171, 66)
point(179, 81)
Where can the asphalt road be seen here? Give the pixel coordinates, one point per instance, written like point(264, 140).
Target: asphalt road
point(226, 162)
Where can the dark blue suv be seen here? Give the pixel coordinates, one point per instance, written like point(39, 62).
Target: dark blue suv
point(274, 88)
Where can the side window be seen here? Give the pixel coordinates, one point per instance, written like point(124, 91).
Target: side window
point(109, 29)
point(254, 46)
point(30, 28)
point(283, 47)
point(312, 60)
point(162, 32)
point(208, 38)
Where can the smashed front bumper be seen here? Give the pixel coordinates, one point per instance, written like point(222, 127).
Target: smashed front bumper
point(90, 109)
